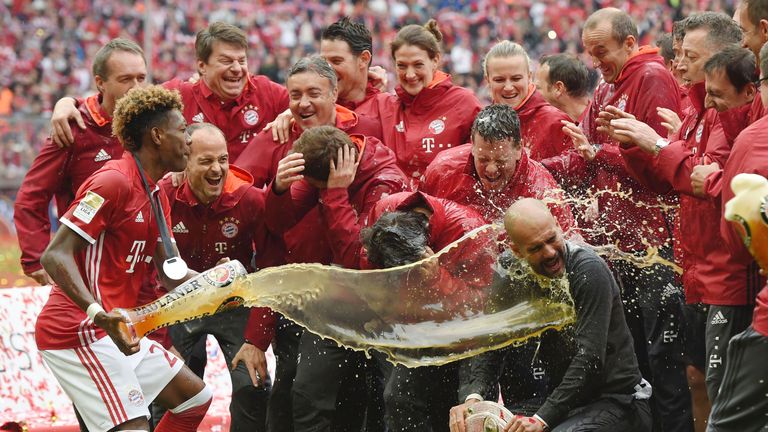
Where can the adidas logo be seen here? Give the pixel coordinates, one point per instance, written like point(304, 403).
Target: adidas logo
point(102, 156)
point(198, 118)
point(719, 318)
point(139, 217)
point(179, 228)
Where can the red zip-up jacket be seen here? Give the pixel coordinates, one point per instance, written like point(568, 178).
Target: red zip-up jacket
point(643, 85)
point(232, 226)
point(452, 176)
point(59, 172)
point(748, 155)
point(323, 226)
point(419, 127)
point(262, 154)
point(240, 119)
point(541, 128)
point(710, 274)
point(448, 222)
point(368, 107)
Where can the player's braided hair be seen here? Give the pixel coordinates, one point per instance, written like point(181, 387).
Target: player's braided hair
point(140, 110)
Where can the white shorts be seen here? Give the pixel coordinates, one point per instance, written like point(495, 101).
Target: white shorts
point(107, 387)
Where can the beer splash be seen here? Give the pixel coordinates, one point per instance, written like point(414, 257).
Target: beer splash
point(450, 306)
point(455, 304)
point(431, 312)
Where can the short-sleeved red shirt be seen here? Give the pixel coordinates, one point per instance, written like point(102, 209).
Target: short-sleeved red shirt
point(113, 213)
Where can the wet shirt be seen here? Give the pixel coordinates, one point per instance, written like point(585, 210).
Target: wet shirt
point(452, 176)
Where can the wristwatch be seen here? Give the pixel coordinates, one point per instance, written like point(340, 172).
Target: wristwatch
point(660, 144)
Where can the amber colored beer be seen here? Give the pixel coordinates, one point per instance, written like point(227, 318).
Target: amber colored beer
point(749, 213)
point(210, 292)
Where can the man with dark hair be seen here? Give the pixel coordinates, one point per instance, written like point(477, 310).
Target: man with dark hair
point(312, 86)
point(494, 171)
point(710, 274)
point(226, 95)
point(666, 50)
point(320, 198)
point(740, 404)
point(404, 228)
point(99, 260)
point(730, 76)
point(636, 80)
point(216, 213)
point(595, 383)
point(564, 81)
point(58, 172)
point(348, 48)
point(753, 19)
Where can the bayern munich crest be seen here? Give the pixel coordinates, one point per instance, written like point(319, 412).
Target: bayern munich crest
point(437, 126)
point(622, 104)
point(251, 117)
point(229, 229)
point(135, 397)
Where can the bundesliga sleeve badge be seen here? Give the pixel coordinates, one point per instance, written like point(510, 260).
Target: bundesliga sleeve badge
point(88, 206)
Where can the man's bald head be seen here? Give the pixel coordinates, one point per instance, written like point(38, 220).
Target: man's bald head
point(526, 214)
point(536, 237)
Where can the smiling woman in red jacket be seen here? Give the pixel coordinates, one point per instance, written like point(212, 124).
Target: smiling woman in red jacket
point(507, 71)
point(428, 114)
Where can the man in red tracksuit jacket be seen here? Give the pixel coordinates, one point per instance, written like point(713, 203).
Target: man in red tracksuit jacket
point(226, 95)
point(635, 80)
point(348, 48)
point(488, 176)
point(58, 172)
point(312, 84)
point(493, 172)
point(324, 209)
point(217, 213)
point(710, 275)
point(420, 398)
point(741, 403)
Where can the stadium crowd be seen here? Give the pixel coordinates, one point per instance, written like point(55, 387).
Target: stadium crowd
point(50, 44)
point(318, 163)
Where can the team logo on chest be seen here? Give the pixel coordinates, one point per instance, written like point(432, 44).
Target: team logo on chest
point(437, 126)
point(250, 115)
point(622, 102)
point(699, 133)
point(229, 227)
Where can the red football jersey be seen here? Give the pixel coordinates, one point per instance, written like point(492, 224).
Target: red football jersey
point(113, 213)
